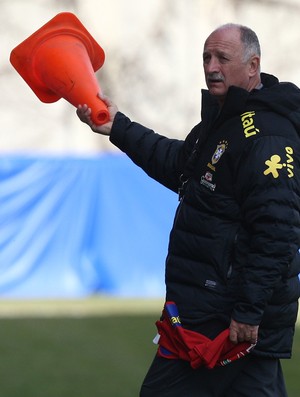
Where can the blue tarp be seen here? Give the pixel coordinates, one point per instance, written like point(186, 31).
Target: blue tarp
point(73, 226)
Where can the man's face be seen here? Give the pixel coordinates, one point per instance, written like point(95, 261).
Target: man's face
point(223, 62)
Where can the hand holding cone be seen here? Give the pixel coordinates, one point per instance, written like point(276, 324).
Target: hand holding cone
point(59, 61)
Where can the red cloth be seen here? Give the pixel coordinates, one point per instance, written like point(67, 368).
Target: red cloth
point(177, 342)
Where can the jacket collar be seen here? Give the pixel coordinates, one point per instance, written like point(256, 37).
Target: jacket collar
point(235, 102)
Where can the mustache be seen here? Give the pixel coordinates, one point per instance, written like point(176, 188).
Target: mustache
point(215, 77)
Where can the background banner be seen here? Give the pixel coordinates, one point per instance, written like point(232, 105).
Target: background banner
point(75, 226)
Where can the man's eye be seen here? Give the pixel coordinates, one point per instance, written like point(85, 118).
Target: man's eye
point(223, 58)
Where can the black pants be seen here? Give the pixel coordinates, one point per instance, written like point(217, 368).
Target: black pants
point(248, 377)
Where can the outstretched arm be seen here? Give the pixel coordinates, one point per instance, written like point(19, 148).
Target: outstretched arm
point(84, 114)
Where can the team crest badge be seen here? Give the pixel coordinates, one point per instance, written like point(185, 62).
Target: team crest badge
point(221, 147)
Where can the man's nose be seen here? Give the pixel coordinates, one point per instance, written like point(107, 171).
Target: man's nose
point(213, 66)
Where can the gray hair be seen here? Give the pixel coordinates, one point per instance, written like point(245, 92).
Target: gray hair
point(248, 38)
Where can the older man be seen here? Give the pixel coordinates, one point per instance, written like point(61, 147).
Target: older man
point(233, 259)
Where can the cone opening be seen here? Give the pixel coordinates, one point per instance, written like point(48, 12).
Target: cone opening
point(102, 117)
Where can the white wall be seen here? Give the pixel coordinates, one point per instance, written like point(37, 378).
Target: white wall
point(153, 67)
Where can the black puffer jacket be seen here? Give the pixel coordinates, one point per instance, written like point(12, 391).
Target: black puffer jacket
point(234, 245)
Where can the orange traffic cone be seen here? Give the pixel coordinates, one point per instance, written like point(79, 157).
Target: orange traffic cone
point(59, 61)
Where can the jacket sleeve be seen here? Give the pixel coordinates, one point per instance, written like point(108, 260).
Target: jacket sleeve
point(160, 157)
point(267, 187)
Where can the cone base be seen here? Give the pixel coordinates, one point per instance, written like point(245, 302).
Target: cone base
point(23, 57)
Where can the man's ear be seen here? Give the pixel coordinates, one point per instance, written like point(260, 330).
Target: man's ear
point(254, 65)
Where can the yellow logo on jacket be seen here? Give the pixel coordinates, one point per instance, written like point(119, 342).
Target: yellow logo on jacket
point(248, 124)
point(275, 164)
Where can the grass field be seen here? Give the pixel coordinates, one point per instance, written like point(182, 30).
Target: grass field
point(82, 349)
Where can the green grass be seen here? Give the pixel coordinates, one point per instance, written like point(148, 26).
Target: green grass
point(68, 357)
point(86, 356)
point(291, 368)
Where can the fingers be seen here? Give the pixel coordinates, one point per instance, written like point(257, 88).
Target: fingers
point(106, 99)
point(243, 332)
point(247, 337)
point(253, 336)
point(233, 336)
point(84, 113)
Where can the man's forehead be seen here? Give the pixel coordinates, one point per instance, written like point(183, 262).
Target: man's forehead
point(224, 39)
